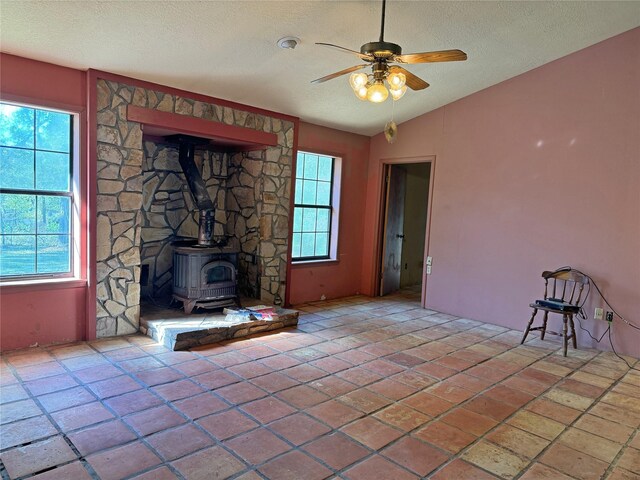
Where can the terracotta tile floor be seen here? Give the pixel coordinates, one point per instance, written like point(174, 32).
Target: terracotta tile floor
point(362, 389)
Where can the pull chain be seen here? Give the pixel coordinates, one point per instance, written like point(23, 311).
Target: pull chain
point(391, 129)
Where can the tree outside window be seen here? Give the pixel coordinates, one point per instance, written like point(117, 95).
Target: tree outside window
point(35, 191)
point(314, 210)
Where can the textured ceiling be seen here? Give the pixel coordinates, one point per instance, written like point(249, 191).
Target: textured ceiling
point(227, 49)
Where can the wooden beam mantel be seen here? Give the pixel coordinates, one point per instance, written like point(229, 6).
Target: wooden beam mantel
point(226, 135)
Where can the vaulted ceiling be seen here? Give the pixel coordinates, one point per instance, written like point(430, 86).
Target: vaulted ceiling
point(227, 49)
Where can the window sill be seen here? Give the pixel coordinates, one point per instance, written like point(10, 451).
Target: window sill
point(42, 284)
point(306, 263)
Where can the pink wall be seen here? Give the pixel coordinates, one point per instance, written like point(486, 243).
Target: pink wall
point(54, 312)
point(42, 82)
point(540, 171)
point(41, 316)
point(342, 278)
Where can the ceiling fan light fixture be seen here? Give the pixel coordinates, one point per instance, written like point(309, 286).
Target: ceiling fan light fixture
point(361, 92)
point(377, 93)
point(397, 94)
point(386, 77)
point(358, 80)
point(396, 80)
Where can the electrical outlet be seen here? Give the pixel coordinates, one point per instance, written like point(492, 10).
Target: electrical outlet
point(428, 269)
point(598, 314)
point(609, 316)
point(429, 260)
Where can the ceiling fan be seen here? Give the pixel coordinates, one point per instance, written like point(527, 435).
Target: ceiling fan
point(381, 56)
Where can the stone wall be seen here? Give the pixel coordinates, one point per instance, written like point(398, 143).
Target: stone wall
point(258, 215)
point(168, 208)
point(257, 200)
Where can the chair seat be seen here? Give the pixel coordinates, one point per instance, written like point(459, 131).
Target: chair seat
point(555, 306)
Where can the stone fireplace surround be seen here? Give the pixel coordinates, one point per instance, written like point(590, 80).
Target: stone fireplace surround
point(143, 202)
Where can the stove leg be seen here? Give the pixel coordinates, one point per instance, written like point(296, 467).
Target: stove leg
point(188, 306)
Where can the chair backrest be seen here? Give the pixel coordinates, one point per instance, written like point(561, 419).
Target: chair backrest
point(567, 285)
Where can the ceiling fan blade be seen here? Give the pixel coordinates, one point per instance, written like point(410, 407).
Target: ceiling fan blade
point(431, 57)
point(337, 74)
point(413, 82)
point(348, 50)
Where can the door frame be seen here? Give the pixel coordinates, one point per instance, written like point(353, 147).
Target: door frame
point(379, 231)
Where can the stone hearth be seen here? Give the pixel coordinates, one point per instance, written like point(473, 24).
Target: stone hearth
point(178, 331)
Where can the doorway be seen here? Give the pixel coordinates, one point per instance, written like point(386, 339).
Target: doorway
point(404, 227)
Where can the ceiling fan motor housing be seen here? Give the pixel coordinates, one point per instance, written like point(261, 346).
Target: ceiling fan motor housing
point(381, 49)
point(380, 70)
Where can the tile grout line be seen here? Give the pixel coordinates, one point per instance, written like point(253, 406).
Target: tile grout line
point(595, 401)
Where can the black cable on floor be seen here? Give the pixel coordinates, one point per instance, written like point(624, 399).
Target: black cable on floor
point(616, 353)
point(608, 330)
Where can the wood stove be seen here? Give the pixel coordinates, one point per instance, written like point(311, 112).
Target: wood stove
point(204, 269)
point(204, 276)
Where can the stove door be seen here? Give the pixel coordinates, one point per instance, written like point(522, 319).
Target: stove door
point(218, 279)
point(217, 272)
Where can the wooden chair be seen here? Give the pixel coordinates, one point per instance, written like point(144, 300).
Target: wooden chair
point(567, 304)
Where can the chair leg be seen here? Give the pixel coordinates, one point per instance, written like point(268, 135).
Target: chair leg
point(565, 340)
point(526, 332)
point(544, 324)
point(573, 332)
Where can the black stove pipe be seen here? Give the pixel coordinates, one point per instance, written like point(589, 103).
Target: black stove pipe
point(187, 148)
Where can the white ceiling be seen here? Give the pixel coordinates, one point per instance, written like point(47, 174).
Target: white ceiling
point(227, 49)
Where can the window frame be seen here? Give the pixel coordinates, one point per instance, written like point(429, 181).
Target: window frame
point(73, 193)
point(333, 207)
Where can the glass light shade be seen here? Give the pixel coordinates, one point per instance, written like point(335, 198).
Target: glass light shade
point(397, 94)
point(361, 92)
point(377, 93)
point(358, 80)
point(396, 80)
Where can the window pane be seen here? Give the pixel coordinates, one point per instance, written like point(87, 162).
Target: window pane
point(54, 214)
point(53, 254)
point(16, 168)
point(16, 126)
point(296, 244)
point(322, 220)
point(53, 131)
point(17, 213)
point(308, 245)
point(35, 153)
point(309, 220)
point(322, 244)
point(52, 171)
point(17, 254)
point(297, 219)
point(311, 167)
point(324, 168)
point(298, 196)
point(309, 192)
point(312, 223)
point(323, 193)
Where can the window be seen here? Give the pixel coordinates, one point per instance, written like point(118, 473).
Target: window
point(36, 193)
point(315, 213)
